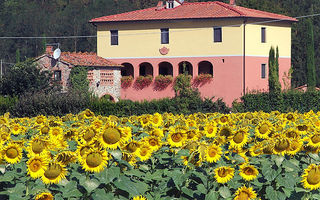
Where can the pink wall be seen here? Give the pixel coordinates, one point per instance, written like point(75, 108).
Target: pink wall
point(227, 82)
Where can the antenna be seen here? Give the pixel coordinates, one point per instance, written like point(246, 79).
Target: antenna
point(57, 53)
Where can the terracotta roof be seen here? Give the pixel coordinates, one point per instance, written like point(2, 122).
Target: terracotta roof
point(198, 10)
point(85, 59)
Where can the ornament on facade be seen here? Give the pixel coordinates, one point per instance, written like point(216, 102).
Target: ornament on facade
point(164, 50)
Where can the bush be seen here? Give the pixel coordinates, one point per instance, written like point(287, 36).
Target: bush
point(6, 103)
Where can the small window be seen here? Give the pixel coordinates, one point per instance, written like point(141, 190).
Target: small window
point(170, 4)
point(263, 70)
point(164, 36)
point(263, 34)
point(217, 34)
point(114, 37)
point(57, 75)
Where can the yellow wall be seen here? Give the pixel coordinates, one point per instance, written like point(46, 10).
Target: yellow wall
point(276, 35)
point(190, 38)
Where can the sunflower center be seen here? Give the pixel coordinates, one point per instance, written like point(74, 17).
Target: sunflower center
point(132, 147)
point(55, 132)
point(238, 138)
point(12, 153)
point(35, 165)
point(83, 150)
point(176, 137)
point(289, 117)
point(45, 130)
point(153, 142)
point(223, 119)
point(145, 120)
point(210, 129)
point(248, 171)
point(243, 196)
point(291, 134)
point(89, 135)
point(53, 171)
point(225, 132)
point(111, 136)
point(2, 121)
point(155, 120)
point(263, 128)
point(248, 116)
point(37, 147)
point(223, 172)
point(315, 139)
point(94, 159)
point(39, 120)
point(294, 145)
point(282, 145)
point(313, 177)
point(212, 152)
point(143, 151)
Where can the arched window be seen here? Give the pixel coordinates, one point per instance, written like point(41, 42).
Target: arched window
point(165, 68)
point(145, 69)
point(205, 67)
point(127, 70)
point(185, 66)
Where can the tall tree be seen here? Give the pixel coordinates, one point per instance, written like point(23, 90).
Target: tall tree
point(273, 62)
point(311, 70)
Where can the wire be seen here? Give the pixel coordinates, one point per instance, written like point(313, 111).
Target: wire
point(193, 29)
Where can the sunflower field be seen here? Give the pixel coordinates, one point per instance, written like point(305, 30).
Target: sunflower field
point(242, 156)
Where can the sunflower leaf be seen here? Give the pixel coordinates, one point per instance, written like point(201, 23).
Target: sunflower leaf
point(91, 184)
point(212, 195)
point(271, 193)
point(225, 192)
point(187, 191)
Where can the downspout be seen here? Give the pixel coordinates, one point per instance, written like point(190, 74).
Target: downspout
point(244, 56)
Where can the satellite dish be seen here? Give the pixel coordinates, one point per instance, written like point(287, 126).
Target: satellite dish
point(57, 53)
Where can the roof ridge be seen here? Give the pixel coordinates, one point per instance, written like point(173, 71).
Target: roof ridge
point(262, 11)
point(229, 7)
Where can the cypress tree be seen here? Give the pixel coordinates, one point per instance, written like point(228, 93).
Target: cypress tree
point(311, 71)
point(274, 84)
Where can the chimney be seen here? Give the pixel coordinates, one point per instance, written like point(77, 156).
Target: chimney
point(232, 2)
point(49, 49)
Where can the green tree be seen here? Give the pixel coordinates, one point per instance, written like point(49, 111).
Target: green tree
point(24, 77)
point(311, 71)
point(78, 78)
point(274, 84)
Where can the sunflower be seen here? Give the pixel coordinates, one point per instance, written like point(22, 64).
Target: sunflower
point(144, 152)
point(156, 120)
point(256, 150)
point(110, 137)
point(54, 173)
point(158, 132)
point(223, 120)
point(248, 172)
point(97, 124)
point(3, 120)
point(239, 139)
point(66, 157)
point(292, 133)
point(139, 198)
point(223, 174)
point(281, 145)
point(44, 129)
point(153, 142)
point(130, 158)
point(145, 119)
point(245, 193)
point(12, 153)
point(295, 146)
point(37, 165)
point(176, 137)
point(16, 128)
point(263, 129)
point(225, 132)
point(40, 119)
point(55, 132)
point(314, 140)
point(82, 149)
point(95, 160)
point(88, 114)
point(210, 129)
point(193, 134)
point(44, 196)
point(213, 153)
point(311, 177)
point(89, 134)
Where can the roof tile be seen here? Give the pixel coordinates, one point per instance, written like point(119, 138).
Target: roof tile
point(198, 10)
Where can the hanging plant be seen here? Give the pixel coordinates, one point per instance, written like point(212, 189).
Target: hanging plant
point(143, 81)
point(202, 79)
point(161, 82)
point(126, 81)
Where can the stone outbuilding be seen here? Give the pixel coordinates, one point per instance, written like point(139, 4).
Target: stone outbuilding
point(104, 75)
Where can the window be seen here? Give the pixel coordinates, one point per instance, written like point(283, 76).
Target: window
point(263, 70)
point(263, 34)
point(164, 36)
point(114, 37)
point(170, 4)
point(217, 34)
point(57, 75)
